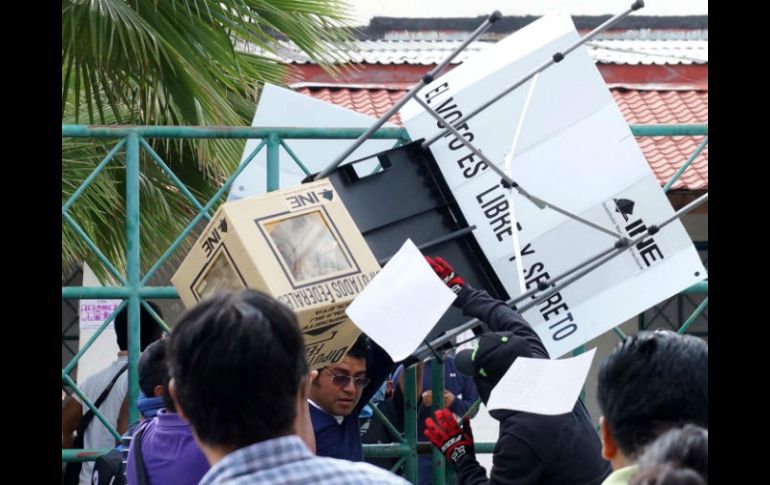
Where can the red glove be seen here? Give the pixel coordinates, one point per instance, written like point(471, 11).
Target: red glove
point(447, 274)
point(454, 442)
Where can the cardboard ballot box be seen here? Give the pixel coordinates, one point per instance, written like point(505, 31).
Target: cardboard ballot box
point(299, 245)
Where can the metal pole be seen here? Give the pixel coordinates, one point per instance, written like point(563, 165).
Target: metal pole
point(686, 164)
point(203, 213)
point(90, 405)
point(437, 386)
point(224, 132)
point(93, 175)
point(427, 79)
point(649, 232)
point(394, 433)
point(107, 292)
point(133, 269)
point(433, 242)
point(285, 133)
point(273, 162)
point(557, 57)
point(450, 334)
point(83, 455)
point(410, 424)
point(703, 305)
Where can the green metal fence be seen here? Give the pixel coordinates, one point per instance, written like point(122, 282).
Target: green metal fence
point(133, 287)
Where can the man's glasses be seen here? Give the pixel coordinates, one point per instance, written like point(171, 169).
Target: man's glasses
point(342, 380)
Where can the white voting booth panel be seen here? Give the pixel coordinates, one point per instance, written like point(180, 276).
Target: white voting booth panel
point(572, 148)
point(282, 107)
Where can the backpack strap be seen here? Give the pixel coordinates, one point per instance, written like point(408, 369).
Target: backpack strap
point(89, 415)
point(72, 471)
point(141, 475)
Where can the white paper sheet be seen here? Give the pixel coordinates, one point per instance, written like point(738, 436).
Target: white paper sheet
point(542, 386)
point(402, 304)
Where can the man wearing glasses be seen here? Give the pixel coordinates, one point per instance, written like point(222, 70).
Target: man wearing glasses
point(339, 393)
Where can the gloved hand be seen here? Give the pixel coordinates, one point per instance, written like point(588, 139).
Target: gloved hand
point(455, 443)
point(447, 274)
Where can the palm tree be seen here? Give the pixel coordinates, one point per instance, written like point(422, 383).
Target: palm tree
point(170, 62)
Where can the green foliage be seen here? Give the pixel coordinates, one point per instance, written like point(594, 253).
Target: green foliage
point(170, 62)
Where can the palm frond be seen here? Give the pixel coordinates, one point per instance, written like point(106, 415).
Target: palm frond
point(171, 62)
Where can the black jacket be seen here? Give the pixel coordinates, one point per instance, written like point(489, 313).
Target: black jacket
point(532, 448)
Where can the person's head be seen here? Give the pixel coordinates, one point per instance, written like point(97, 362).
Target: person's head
point(236, 362)
point(651, 382)
point(338, 387)
point(495, 352)
point(149, 329)
point(678, 457)
point(153, 372)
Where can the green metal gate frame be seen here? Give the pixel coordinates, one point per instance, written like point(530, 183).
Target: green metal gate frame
point(134, 287)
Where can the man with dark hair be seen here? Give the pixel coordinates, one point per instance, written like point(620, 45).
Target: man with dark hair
point(114, 406)
point(340, 392)
point(239, 376)
point(169, 452)
point(149, 331)
point(652, 382)
point(532, 448)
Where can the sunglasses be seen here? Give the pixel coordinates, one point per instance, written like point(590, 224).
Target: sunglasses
point(342, 380)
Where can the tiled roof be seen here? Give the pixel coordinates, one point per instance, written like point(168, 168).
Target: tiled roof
point(665, 154)
point(622, 34)
point(371, 101)
point(429, 52)
point(662, 52)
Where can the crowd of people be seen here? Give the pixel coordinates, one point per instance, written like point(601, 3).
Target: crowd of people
point(228, 399)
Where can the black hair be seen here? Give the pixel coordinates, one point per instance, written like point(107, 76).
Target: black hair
point(360, 347)
point(237, 359)
point(149, 331)
point(152, 367)
point(678, 457)
point(650, 383)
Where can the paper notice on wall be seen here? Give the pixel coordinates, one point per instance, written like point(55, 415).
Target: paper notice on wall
point(92, 314)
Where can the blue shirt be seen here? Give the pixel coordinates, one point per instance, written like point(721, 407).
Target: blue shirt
point(337, 440)
point(286, 460)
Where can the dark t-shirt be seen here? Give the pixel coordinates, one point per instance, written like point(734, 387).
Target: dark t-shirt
point(532, 448)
